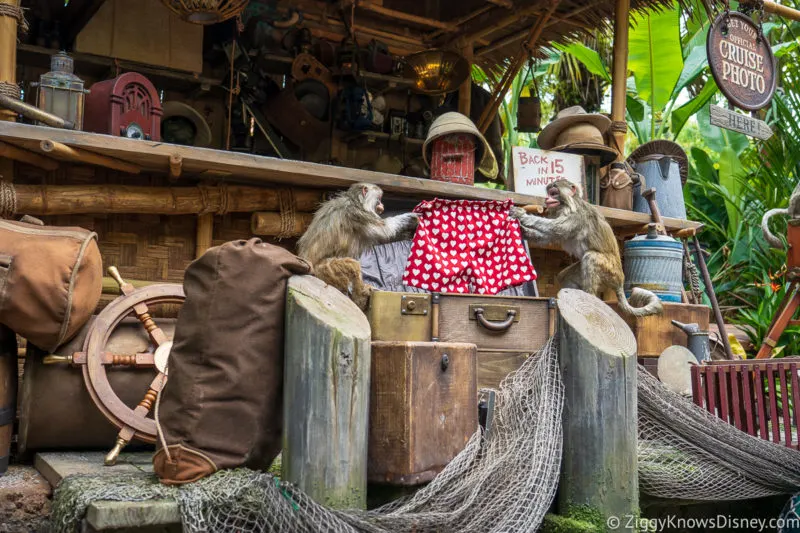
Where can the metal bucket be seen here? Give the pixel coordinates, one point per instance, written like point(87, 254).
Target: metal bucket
point(654, 262)
point(663, 175)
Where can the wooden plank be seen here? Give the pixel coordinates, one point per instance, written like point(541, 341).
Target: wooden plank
point(597, 356)
point(105, 515)
point(731, 120)
point(249, 168)
point(773, 405)
point(722, 380)
point(55, 466)
point(326, 394)
point(748, 399)
point(758, 387)
point(736, 400)
point(711, 391)
point(787, 421)
point(494, 366)
point(697, 384)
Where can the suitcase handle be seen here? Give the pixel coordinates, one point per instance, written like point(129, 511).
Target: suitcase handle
point(495, 326)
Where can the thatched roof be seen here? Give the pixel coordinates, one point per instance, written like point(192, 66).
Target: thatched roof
point(497, 27)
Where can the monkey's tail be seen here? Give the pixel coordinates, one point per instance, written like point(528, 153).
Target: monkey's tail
point(642, 302)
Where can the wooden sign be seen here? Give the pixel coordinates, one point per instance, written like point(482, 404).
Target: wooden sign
point(741, 61)
point(535, 169)
point(731, 120)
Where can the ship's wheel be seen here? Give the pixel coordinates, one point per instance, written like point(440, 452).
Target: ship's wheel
point(94, 359)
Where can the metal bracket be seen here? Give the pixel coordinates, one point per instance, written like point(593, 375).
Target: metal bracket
point(415, 304)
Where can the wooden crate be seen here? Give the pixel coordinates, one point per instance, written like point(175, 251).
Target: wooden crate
point(423, 409)
point(655, 333)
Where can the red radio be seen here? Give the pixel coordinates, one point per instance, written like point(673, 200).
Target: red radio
point(127, 105)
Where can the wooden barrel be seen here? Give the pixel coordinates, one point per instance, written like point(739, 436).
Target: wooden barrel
point(8, 393)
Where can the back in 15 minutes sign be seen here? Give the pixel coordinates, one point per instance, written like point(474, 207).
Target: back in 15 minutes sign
point(535, 169)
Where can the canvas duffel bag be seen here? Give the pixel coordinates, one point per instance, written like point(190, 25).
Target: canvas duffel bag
point(50, 280)
point(223, 404)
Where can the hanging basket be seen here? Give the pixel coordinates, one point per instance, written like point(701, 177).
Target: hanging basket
point(206, 11)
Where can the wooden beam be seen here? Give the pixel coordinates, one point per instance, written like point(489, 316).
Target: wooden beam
point(402, 15)
point(330, 21)
point(619, 77)
point(465, 91)
point(462, 20)
point(780, 10)
point(508, 4)
point(333, 33)
point(77, 155)
point(26, 156)
point(255, 169)
point(493, 27)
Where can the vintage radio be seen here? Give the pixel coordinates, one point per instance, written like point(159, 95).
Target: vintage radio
point(128, 106)
point(423, 409)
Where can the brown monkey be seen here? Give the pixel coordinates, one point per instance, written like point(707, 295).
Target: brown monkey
point(583, 233)
point(345, 227)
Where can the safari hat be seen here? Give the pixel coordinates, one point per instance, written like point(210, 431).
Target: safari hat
point(578, 132)
point(453, 122)
point(179, 109)
point(661, 148)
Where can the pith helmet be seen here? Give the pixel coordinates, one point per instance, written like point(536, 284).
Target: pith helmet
point(453, 122)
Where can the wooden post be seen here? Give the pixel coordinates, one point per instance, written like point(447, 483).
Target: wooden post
point(85, 157)
point(619, 77)
point(326, 394)
point(597, 353)
point(205, 233)
point(782, 11)
point(465, 91)
point(8, 75)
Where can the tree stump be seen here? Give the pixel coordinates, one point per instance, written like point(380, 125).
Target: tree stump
point(326, 394)
point(597, 353)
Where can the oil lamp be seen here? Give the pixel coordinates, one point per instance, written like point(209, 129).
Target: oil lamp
point(61, 92)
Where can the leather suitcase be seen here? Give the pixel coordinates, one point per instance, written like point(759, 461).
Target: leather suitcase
point(56, 411)
point(423, 409)
point(505, 329)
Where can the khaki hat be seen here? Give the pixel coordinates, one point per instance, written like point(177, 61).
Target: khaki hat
point(578, 132)
point(179, 109)
point(453, 122)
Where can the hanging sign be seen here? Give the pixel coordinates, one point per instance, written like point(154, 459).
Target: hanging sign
point(535, 169)
point(731, 120)
point(741, 61)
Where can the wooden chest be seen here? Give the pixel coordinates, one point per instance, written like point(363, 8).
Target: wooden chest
point(505, 329)
point(655, 333)
point(423, 409)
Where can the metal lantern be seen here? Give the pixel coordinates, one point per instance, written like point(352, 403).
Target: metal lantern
point(61, 92)
point(206, 11)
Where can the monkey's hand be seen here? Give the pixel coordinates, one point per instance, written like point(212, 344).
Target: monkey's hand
point(517, 213)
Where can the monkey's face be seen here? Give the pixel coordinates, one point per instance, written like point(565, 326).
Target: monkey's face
point(559, 196)
point(371, 197)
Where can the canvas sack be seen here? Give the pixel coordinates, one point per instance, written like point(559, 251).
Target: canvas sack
point(50, 280)
point(222, 406)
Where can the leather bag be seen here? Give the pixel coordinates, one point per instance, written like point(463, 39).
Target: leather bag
point(223, 404)
point(50, 280)
point(616, 187)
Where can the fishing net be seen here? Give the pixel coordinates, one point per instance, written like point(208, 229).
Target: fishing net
point(687, 453)
point(501, 482)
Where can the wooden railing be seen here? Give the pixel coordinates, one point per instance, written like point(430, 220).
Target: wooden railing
point(758, 397)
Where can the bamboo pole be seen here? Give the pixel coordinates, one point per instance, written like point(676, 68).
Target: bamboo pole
point(487, 30)
point(100, 199)
point(408, 39)
point(78, 155)
point(25, 156)
point(271, 224)
point(494, 104)
point(620, 74)
point(782, 11)
point(402, 15)
point(461, 20)
point(205, 233)
point(465, 91)
point(8, 74)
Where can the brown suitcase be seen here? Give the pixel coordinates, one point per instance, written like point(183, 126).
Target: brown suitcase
point(56, 411)
point(423, 409)
point(506, 329)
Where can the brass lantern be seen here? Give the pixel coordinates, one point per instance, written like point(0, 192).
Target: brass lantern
point(61, 92)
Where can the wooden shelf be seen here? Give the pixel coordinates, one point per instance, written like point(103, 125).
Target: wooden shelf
point(254, 169)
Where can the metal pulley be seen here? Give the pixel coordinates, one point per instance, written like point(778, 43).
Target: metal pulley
point(94, 360)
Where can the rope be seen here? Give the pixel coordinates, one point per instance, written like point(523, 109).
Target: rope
point(690, 271)
point(618, 126)
point(223, 199)
point(11, 90)
point(204, 199)
point(7, 10)
point(8, 199)
point(287, 212)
